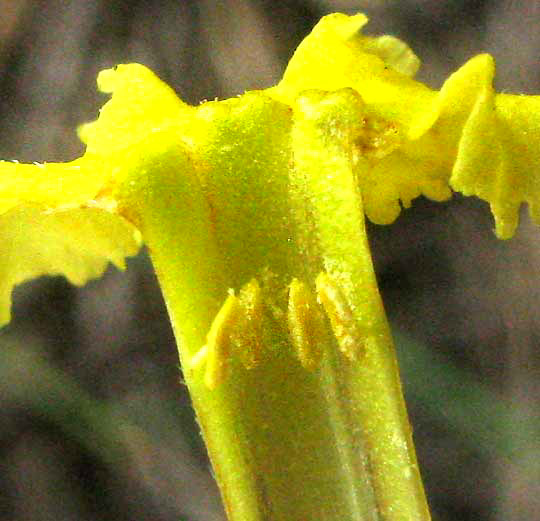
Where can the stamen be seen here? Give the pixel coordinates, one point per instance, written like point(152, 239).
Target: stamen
point(344, 325)
point(247, 334)
point(218, 342)
point(306, 327)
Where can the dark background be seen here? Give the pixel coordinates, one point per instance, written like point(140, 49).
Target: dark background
point(94, 420)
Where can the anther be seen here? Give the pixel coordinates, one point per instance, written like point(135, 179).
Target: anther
point(247, 334)
point(342, 321)
point(218, 342)
point(306, 327)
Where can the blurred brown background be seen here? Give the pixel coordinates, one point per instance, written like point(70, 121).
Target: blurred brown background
point(94, 420)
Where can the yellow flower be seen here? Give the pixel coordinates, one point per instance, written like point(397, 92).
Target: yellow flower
point(412, 141)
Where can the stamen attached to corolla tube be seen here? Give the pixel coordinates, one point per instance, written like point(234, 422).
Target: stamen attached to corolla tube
point(342, 321)
point(218, 342)
point(306, 326)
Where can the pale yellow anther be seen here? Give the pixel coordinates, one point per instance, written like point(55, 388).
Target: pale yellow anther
point(247, 334)
point(306, 327)
point(198, 359)
point(218, 342)
point(344, 325)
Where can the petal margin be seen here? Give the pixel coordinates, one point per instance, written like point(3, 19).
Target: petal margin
point(53, 222)
point(60, 218)
point(337, 55)
point(77, 243)
point(140, 104)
